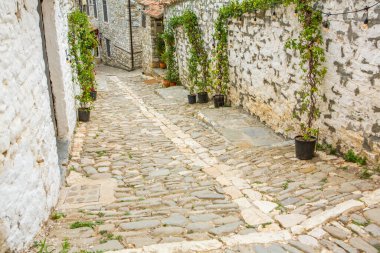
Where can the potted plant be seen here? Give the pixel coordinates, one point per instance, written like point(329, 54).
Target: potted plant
point(85, 105)
point(192, 97)
point(81, 41)
point(160, 51)
point(312, 54)
point(220, 89)
point(165, 83)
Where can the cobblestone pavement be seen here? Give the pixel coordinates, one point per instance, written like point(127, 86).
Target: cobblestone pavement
point(147, 175)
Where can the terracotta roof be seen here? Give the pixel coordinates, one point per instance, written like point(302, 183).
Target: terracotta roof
point(154, 8)
point(169, 2)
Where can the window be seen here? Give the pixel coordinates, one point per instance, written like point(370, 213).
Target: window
point(105, 11)
point(108, 47)
point(95, 9)
point(143, 19)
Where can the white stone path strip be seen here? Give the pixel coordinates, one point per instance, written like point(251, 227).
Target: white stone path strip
point(237, 188)
point(203, 246)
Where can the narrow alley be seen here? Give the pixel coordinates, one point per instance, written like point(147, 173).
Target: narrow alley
point(150, 173)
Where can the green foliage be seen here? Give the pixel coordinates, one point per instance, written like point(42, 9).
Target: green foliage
point(328, 148)
point(82, 41)
point(42, 247)
point(109, 236)
point(172, 74)
point(309, 44)
point(365, 173)
point(81, 224)
point(160, 48)
point(58, 215)
point(234, 9)
point(65, 246)
point(198, 61)
point(350, 156)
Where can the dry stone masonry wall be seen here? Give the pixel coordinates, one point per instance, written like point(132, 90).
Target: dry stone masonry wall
point(265, 76)
point(117, 31)
point(29, 169)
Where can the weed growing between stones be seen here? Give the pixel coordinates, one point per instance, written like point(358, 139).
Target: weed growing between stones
point(43, 247)
point(365, 174)
point(58, 215)
point(350, 156)
point(81, 224)
point(328, 148)
point(65, 246)
point(109, 236)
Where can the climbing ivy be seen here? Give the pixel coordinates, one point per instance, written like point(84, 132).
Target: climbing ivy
point(198, 60)
point(81, 43)
point(172, 74)
point(309, 44)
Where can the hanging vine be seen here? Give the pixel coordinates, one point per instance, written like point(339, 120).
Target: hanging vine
point(198, 60)
point(81, 43)
point(309, 44)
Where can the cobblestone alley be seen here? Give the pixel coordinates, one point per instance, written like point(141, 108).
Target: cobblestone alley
point(150, 173)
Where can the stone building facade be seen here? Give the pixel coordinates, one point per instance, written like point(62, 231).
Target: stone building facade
point(264, 75)
point(151, 27)
point(117, 23)
point(37, 114)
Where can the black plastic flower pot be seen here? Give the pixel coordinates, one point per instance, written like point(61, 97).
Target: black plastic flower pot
point(192, 98)
point(93, 95)
point(202, 97)
point(218, 101)
point(84, 114)
point(305, 148)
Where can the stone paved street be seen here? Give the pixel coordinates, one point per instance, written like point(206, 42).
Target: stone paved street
point(150, 173)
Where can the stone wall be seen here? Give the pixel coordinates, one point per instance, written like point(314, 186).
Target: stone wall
point(149, 33)
point(264, 75)
point(117, 31)
point(29, 169)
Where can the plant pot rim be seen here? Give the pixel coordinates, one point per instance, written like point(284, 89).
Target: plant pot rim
point(301, 139)
point(202, 92)
point(191, 94)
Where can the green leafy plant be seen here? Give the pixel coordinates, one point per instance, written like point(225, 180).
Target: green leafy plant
point(160, 48)
point(172, 74)
point(81, 43)
point(365, 173)
point(65, 246)
point(58, 215)
point(329, 149)
point(350, 156)
point(198, 63)
point(109, 236)
point(309, 44)
point(81, 224)
point(42, 246)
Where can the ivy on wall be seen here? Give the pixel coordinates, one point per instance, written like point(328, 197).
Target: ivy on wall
point(198, 64)
point(81, 43)
point(309, 44)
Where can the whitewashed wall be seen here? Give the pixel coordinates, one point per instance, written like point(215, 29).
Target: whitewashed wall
point(264, 75)
point(29, 169)
point(56, 28)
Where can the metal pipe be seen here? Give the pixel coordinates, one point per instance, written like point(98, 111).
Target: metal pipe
point(130, 34)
